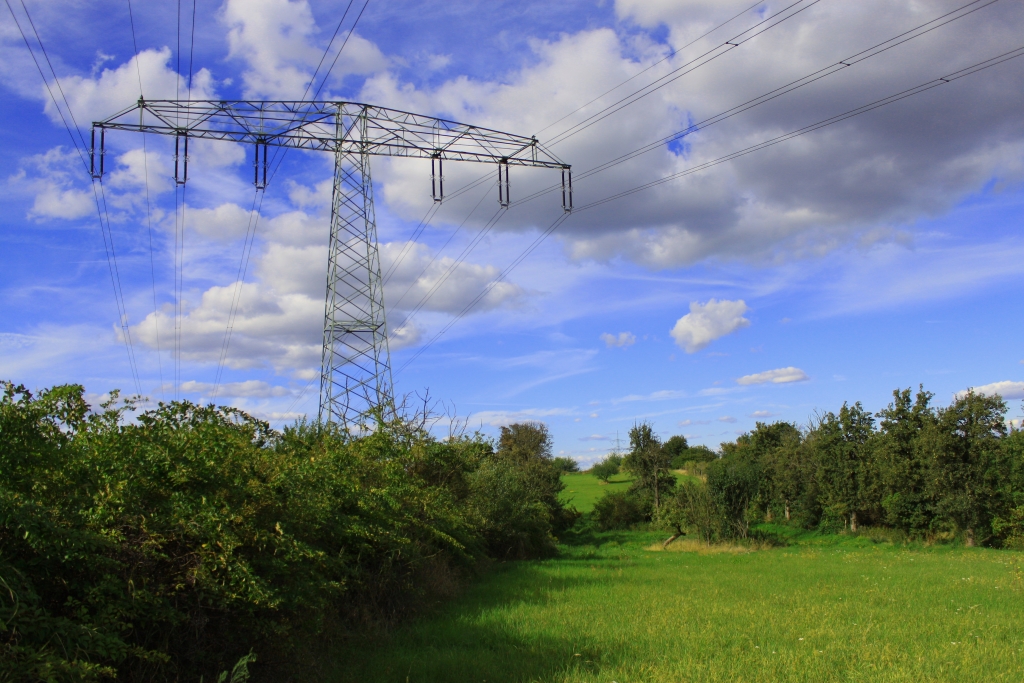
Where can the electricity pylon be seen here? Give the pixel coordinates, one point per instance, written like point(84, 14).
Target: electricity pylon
point(355, 375)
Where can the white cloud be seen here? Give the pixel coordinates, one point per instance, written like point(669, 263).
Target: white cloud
point(503, 418)
point(708, 322)
point(223, 223)
point(595, 437)
point(687, 423)
point(623, 339)
point(97, 98)
point(762, 414)
point(792, 201)
point(1007, 389)
point(54, 178)
point(779, 376)
point(727, 418)
point(248, 389)
point(275, 40)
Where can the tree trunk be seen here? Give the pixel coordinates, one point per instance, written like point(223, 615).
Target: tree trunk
point(969, 538)
point(671, 538)
point(656, 501)
point(768, 514)
point(787, 510)
point(853, 522)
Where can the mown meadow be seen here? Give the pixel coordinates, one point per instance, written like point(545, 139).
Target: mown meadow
point(614, 606)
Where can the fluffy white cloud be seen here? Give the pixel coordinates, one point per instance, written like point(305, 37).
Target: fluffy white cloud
point(779, 376)
point(96, 98)
point(762, 414)
point(727, 418)
point(275, 39)
point(622, 340)
point(708, 322)
point(54, 178)
point(1007, 389)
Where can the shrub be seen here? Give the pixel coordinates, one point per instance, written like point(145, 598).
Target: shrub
point(565, 465)
point(170, 547)
point(620, 510)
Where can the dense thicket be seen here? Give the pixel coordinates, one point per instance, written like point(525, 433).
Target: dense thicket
point(169, 546)
point(955, 471)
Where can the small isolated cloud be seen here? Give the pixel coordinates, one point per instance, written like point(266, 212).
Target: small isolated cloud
point(621, 341)
point(727, 418)
point(1006, 389)
point(687, 423)
point(779, 376)
point(707, 322)
point(762, 413)
point(595, 437)
point(593, 415)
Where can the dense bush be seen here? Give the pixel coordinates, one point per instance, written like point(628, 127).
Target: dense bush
point(620, 510)
point(170, 546)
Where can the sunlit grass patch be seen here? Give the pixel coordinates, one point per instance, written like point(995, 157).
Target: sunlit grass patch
point(618, 609)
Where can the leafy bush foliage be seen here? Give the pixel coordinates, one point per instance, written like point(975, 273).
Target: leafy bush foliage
point(620, 510)
point(168, 547)
point(565, 465)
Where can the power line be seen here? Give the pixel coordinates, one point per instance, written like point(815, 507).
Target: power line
point(487, 290)
point(694, 64)
point(670, 55)
point(149, 210)
point(830, 70)
point(677, 73)
point(896, 97)
point(101, 210)
point(254, 218)
point(942, 80)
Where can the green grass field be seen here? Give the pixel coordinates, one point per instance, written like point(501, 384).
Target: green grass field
point(612, 608)
point(583, 490)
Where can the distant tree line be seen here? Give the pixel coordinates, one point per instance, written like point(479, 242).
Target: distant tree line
point(173, 545)
point(953, 472)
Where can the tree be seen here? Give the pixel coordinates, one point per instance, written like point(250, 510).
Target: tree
point(607, 468)
point(734, 481)
point(675, 450)
point(525, 447)
point(648, 463)
point(966, 461)
point(900, 463)
point(691, 509)
point(842, 453)
point(565, 465)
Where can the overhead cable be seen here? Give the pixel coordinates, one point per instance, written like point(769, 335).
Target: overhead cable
point(101, 209)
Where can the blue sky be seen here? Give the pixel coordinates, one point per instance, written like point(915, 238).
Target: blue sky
point(879, 253)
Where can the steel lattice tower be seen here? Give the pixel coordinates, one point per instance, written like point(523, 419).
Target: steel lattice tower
point(355, 376)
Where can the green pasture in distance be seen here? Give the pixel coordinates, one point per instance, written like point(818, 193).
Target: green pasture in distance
point(583, 490)
point(611, 608)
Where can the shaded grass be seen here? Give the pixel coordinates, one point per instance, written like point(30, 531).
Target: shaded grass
point(608, 609)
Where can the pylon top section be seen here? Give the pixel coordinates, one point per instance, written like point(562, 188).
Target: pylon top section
point(365, 129)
